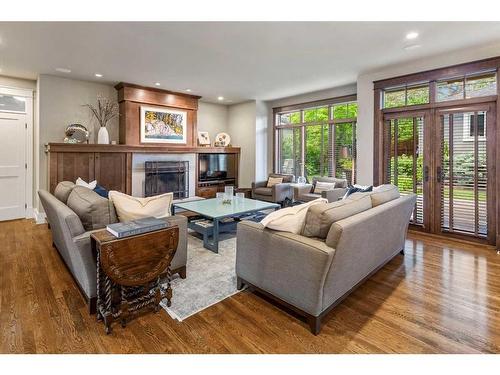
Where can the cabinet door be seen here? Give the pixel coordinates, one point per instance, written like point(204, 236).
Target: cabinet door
point(111, 170)
point(68, 166)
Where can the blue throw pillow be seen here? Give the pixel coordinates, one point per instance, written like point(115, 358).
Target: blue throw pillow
point(357, 189)
point(101, 191)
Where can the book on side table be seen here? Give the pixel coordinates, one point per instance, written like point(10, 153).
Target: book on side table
point(135, 227)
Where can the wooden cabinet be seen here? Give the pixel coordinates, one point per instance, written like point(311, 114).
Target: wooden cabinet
point(111, 170)
point(108, 169)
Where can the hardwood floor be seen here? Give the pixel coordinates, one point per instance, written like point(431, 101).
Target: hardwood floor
point(441, 297)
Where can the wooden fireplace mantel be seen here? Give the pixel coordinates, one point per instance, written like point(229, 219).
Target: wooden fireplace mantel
point(135, 149)
point(111, 165)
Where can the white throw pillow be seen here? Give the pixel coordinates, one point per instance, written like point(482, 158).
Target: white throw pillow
point(290, 219)
point(271, 181)
point(89, 185)
point(130, 208)
point(323, 186)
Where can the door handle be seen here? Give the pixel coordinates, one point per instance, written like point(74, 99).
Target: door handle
point(439, 176)
point(426, 173)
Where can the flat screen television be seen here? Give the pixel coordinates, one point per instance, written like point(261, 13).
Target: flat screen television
point(213, 167)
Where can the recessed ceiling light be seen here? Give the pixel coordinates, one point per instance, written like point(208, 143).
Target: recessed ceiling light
point(157, 84)
point(220, 98)
point(63, 70)
point(412, 46)
point(412, 35)
point(188, 90)
point(99, 75)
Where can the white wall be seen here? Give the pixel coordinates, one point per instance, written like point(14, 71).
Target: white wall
point(365, 96)
point(242, 127)
point(212, 118)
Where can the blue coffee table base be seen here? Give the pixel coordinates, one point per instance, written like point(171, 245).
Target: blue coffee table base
point(211, 233)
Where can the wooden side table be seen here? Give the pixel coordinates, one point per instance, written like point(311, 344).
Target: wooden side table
point(129, 270)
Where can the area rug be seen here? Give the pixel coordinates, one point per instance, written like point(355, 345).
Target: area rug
point(211, 278)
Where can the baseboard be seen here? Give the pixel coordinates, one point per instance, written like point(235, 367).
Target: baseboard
point(40, 217)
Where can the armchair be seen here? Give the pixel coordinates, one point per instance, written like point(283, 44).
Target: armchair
point(305, 192)
point(279, 193)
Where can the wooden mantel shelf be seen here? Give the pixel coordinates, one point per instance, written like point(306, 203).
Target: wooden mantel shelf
point(144, 149)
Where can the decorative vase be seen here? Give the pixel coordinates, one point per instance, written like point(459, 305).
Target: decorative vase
point(103, 136)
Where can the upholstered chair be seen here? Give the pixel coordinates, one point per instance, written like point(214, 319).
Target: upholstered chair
point(278, 193)
point(305, 193)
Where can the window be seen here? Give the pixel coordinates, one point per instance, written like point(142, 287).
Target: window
point(471, 86)
point(322, 144)
point(9, 103)
point(450, 90)
point(408, 95)
point(468, 126)
point(480, 85)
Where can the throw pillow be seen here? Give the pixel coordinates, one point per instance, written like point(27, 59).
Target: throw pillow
point(94, 211)
point(383, 194)
point(101, 191)
point(319, 219)
point(89, 185)
point(357, 189)
point(271, 181)
point(290, 219)
point(129, 208)
point(63, 190)
point(320, 187)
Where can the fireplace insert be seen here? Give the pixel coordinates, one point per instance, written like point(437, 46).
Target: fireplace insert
point(167, 177)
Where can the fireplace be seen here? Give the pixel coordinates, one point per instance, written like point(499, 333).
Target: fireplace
point(167, 177)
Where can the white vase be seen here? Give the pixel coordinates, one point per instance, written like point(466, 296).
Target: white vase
point(103, 136)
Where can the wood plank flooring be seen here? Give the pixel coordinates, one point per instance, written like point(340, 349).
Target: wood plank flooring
point(441, 297)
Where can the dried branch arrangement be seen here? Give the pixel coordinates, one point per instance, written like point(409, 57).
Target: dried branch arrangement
point(104, 111)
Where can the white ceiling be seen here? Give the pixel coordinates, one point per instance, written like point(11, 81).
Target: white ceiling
point(240, 61)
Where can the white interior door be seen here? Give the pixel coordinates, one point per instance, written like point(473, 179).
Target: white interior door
point(13, 165)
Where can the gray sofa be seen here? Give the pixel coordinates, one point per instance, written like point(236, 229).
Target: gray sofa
point(311, 275)
point(305, 193)
point(279, 193)
point(72, 241)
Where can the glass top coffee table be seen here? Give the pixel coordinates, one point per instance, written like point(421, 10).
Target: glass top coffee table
point(214, 217)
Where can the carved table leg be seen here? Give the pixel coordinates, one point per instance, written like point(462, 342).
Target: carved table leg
point(108, 314)
point(99, 300)
point(123, 308)
point(169, 287)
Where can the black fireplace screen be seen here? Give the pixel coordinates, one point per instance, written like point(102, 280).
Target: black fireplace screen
point(167, 177)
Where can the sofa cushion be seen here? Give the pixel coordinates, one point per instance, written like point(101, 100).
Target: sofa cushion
point(357, 189)
point(339, 182)
point(287, 178)
point(320, 186)
point(94, 211)
point(383, 194)
point(63, 190)
point(263, 191)
point(290, 219)
point(320, 218)
point(271, 181)
point(130, 208)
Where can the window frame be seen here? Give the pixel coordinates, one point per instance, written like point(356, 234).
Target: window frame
point(331, 122)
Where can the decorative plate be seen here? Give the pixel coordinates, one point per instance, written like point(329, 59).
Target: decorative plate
point(76, 133)
point(223, 139)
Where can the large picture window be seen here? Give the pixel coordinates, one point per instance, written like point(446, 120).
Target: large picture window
point(317, 140)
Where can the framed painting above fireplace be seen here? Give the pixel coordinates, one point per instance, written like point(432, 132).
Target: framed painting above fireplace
point(163, 125)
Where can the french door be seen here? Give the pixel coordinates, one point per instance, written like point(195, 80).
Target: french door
point(465, 198)
point(446, 157)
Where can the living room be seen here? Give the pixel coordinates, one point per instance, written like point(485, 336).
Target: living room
point(211, 186)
